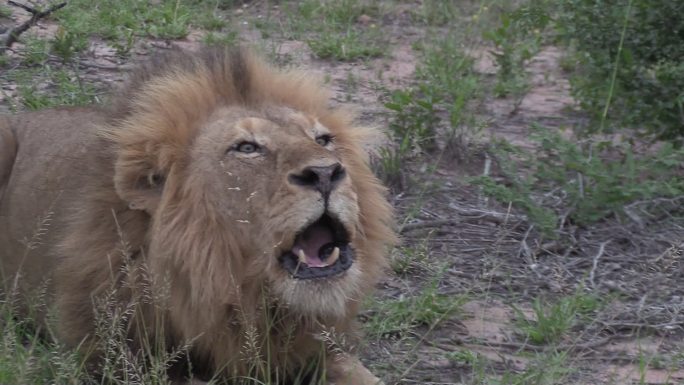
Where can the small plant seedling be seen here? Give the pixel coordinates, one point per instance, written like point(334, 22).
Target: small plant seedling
point(399, 316)
point(553, 320)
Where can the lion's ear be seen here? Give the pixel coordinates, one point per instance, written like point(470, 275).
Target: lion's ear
point(139, 184)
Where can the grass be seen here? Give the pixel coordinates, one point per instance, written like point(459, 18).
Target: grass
point(36, 51)
point(42, 85)
point(448, 69)
point(397, 317)
point(412, 130)
point(30, 354)
point(437, 12)
point(5, 11)
point(435, 115)
point(51, 87)
point(434, 110)
point(545, 369)
point(541, 369)
point(413, 259)
point(587, 180)
point(26, 357)
point(123, 23)
point(436, 121)
point(333, 30)
point(552, 321)
point(516, 40)
point(344, 45)
point(220, 39)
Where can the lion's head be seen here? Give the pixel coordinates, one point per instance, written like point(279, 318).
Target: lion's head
point(250, 180)
point(225, 199)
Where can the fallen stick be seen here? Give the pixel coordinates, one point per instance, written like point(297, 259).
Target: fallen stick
point(14, 33)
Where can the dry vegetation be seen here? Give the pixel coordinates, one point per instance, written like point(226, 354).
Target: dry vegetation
point(543, 238)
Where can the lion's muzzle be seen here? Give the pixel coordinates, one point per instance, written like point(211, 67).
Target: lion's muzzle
point(323, 179)
point(320, 250)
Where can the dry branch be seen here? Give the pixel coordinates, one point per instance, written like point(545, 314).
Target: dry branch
point(14, 33)
point(598, 255)
point(433, 223)
point(465, 215)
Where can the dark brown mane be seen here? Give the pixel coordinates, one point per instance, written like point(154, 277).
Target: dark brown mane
point(227, 67)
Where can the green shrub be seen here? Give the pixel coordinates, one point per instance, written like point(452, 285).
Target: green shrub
point(447, 72)
point(415, 118)
point(647, 61)
point(436, 109)
point(66, 44)
point(585, 181)
point(516, 40)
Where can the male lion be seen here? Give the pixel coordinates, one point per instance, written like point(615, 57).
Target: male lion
point(221, 198)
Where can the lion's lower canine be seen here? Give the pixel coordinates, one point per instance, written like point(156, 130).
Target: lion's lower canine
point(222, 198)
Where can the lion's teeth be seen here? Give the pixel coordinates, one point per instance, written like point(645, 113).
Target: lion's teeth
point(301, 255)
point(334, 256)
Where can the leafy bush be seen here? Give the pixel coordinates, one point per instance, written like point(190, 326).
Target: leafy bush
point(447, 72)
point(412, 130)
point(517, 39)
point(415, 118)
point(584, 181)
point(437, 109)
point(647, 61)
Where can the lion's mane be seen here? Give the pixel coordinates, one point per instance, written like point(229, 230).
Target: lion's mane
point(208, 291)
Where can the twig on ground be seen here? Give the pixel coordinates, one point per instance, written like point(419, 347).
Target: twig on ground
point(675, 201)
point(634, 217)
point(638, 205)
point(13, 34)
point(483, 199)
point(102, 66)
point(468, 215)
point(22, 6)
point(598, 255)
point(524, 249)
point(667, 326)
point(522, 346)
point(432, 223)
point(488, 214)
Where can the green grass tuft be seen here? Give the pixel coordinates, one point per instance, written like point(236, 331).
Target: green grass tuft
point(397, 317)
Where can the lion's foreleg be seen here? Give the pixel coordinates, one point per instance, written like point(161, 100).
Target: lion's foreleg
point(348, 370)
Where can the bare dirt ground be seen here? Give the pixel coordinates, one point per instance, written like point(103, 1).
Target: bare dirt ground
point(483, 249)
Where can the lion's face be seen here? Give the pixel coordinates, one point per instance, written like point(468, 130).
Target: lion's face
point(251, 181)
point(279, 182)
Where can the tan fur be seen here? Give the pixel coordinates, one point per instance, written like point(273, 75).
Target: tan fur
point(167, 218)
point(8, 150)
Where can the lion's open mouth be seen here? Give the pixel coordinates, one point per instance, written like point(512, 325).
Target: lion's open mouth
point(320, 250)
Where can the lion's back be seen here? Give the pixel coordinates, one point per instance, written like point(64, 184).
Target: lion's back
point(50, 166)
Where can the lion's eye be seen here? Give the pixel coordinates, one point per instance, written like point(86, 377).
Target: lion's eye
point(247, 147)
point(324, 140)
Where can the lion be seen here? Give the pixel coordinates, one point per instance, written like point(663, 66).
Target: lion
point(222, 198)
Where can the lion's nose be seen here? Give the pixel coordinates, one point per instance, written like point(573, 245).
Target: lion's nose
point(321, 178)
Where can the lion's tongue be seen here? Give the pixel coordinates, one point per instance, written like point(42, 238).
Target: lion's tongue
point(311, 241)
